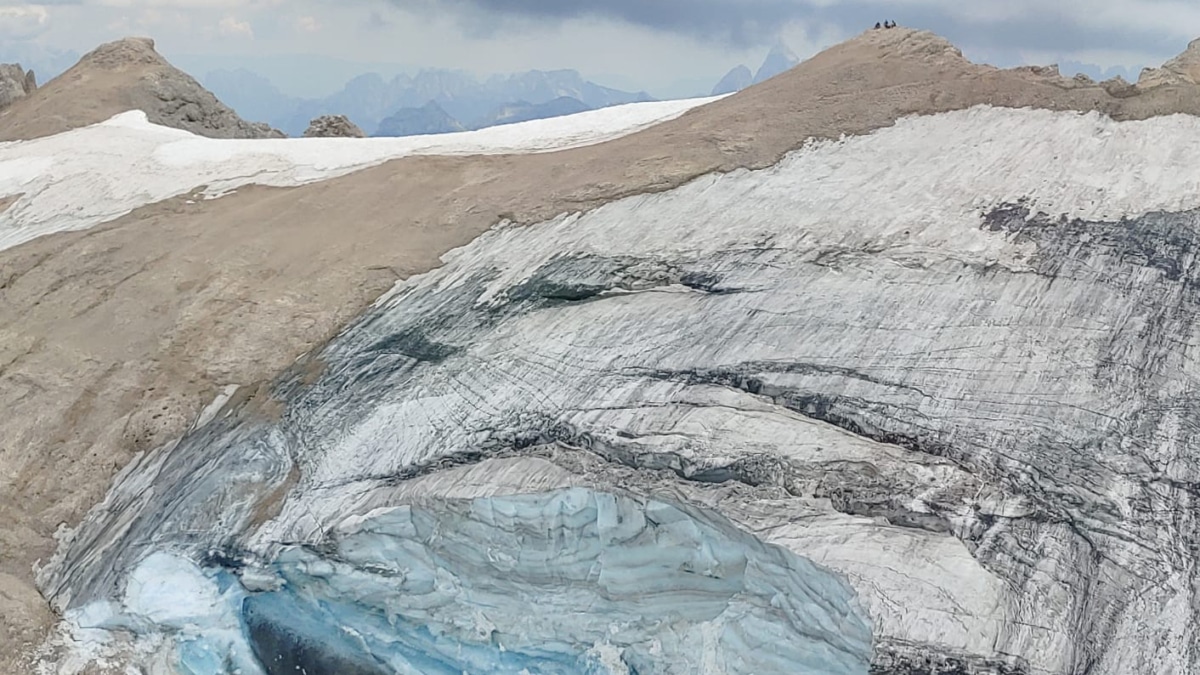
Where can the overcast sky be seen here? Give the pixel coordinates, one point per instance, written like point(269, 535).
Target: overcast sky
point(651, 44)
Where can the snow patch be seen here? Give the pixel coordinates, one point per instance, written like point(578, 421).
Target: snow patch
point(88, 176)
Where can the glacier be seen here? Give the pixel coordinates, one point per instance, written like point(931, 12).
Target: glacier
point(951, 364)
point(568, 581)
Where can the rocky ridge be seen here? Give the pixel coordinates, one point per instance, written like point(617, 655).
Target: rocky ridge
point(118, 76)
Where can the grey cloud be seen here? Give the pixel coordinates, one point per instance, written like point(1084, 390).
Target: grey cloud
point(1049, 27)
point(741, 22)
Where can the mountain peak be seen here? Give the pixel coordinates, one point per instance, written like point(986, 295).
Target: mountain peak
point(781, 58)
point(909, 42)
point(738, 78)
point(781, 49)
point(124, 53)
point(117, 77)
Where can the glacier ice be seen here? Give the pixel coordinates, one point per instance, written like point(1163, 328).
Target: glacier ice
point(182, 617)
point(569, 581)
point(953, 361)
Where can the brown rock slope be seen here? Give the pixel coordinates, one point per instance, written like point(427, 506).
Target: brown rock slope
point(113, 339)
point(117, 77)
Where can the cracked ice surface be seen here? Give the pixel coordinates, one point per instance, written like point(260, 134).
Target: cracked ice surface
point(567, 581)
point(85, 177)
point(953, 361)
point(570, 581)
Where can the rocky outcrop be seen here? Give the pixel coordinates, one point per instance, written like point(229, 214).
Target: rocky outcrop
point(119, 76)
point(15, 83)
point(333, 126)
point(1183, 69)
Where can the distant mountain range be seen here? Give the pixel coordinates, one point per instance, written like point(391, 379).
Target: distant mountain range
point(428, 119)
point(432, 101)
point(438, 101)
point(779, 59)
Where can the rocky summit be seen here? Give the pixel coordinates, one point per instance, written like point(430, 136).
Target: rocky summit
point(887, 364)
point(119, 76)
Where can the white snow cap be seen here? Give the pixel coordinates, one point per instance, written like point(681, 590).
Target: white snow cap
point(84, 177)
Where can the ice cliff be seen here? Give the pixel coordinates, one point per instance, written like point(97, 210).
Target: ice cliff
point(943, 375)
point(569, 581)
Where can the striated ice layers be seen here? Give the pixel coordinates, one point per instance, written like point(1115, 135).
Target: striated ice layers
point(954, 362)
point(571, 581)
point(566, 582)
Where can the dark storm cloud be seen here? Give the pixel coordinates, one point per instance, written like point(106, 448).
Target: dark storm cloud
point(732, 21)
point(1059, 27)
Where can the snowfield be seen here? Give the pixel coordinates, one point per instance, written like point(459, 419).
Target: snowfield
point(85, 177)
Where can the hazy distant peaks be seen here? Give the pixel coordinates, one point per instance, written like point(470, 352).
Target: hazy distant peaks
point(430, 118)
point(736, 79)
point(781, 58)
point(778, 60)
point(460, 100)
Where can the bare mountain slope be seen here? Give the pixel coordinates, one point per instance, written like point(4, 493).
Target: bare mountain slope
point(124, 75)
point(115, 338)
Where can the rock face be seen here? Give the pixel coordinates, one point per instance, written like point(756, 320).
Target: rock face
point(958, 378)
point(120, 76)
point(15, 83)
point(333, 126)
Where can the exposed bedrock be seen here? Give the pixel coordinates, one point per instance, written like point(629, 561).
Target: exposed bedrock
point(979, 411)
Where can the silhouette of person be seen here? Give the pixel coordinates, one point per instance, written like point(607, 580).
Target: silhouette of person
point(892, 24)
point(876, 25)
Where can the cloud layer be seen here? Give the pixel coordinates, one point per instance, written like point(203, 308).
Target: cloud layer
point(21, 22)
point(1061, 26)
